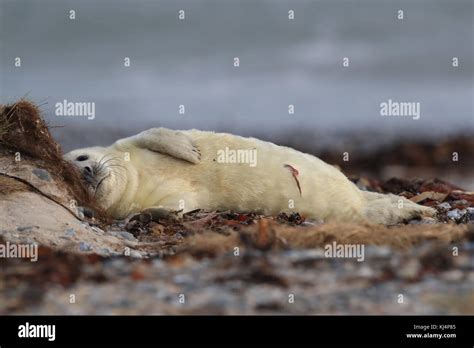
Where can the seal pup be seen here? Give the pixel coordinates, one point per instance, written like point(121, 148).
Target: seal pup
point(167, 170)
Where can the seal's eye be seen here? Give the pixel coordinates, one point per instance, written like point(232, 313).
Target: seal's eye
point(82, 158)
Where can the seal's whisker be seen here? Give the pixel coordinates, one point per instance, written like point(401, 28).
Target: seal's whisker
point(104, 162)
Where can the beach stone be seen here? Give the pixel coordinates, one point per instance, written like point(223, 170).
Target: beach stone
point(125, 235)
point(453, 276)
point(456, 214)
point(366, 272)
point(460, 203)
point(136, 254)
point(409, 270)
point(42, 174)
point(445, 206)
point(83, 246)
point(70, 232)
point(183, 279)
point(24, 228)
point(470, 214)
point(106, 251)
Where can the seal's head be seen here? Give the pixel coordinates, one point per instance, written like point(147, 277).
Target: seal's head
point(104, 173)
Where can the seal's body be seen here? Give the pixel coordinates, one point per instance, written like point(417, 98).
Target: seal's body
point(187, 170)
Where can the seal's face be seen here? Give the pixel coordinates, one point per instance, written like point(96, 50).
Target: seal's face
point(103, 173)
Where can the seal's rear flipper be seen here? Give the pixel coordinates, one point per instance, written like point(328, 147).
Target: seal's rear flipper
point(389, 209)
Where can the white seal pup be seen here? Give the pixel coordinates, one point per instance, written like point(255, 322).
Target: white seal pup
point(187, 170)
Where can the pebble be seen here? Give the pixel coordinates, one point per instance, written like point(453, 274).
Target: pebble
point(106, 251)
point(463, 261)
point(42, 174)
point(445, 205)
point(70, 232)
point(454, 275)
point(125, 235)
point(183, 279)
point(158, 263)
point(24, 228)
point(83, 246)
point(377, 251)
point(366, 272)
point(136, 254)
point(31, 241)
point(305, 255)
point(470, 212)
point(456, 214)
point(97, 230)
point(409, 270)
point(461, 202)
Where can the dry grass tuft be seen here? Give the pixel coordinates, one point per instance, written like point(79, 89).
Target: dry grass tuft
point(23, 130)
point(9, 185)
point(402, 237)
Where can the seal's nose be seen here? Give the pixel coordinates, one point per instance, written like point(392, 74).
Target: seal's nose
point(88, 174)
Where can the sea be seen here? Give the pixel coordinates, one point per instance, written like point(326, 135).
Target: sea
point(322, 69)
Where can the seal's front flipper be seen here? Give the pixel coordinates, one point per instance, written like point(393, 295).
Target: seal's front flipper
point(166, 141)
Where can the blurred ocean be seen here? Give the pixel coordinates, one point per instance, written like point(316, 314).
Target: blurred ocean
point(190, 62)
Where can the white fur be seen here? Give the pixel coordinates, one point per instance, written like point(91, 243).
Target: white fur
point(154, 179)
